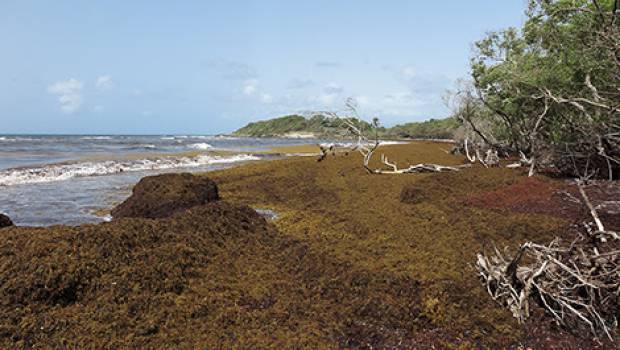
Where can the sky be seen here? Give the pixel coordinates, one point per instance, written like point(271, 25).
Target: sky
point(207, 67)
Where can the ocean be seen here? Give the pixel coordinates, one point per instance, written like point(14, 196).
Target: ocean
point(74, 179)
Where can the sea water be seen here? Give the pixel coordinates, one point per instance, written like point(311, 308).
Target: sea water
point(75, 179)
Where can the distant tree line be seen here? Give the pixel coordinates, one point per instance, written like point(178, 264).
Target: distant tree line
point(323, 125)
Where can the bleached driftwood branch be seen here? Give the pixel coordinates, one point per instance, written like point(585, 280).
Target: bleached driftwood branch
point(578, 284)
point(418, 168)
point(367, 147)
point(472, 159)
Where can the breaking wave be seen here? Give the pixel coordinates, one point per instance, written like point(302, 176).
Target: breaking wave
point(12, 139)
point(96, 138)
point(201, 146)
point(59, 172)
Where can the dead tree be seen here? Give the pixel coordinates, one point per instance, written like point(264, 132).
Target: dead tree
point(366, 145)
point(578, 283)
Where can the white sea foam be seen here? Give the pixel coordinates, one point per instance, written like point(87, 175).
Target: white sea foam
point(59, 172)
point(201, 146)
point(385, 143)
point(168, 138)
point(13, 139)
point(96, 138)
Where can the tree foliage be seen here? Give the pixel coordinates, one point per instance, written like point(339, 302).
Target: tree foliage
point(551, 89)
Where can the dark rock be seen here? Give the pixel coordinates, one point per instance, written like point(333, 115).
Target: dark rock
point(163, 195)
point(5, 221)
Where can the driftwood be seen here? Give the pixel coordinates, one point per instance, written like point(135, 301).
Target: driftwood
point(367, 147)
point(418, 168)
point(578, 284)
point(491, 158)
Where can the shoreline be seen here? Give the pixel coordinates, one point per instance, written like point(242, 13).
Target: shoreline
point(349, 257)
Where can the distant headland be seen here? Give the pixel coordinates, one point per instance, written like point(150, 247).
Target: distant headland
point(298, 126)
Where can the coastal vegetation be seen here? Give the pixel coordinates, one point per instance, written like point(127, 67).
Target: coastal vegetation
point(549, 90)
point(322, 126)
point(429, 129)
point(290, 124)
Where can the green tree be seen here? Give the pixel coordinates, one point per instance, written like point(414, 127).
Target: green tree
point(551, 88)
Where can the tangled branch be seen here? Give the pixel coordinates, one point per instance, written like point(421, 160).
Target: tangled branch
point(577, 284)
point(367, 146)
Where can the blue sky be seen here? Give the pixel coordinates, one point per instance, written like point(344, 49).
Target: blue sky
point(205, 67)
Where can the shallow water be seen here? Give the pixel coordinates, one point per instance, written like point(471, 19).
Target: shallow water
point(48, 180)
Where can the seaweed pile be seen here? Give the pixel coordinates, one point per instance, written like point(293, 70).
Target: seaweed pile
point(347, 264)
point(120, 283)
point(162, 195)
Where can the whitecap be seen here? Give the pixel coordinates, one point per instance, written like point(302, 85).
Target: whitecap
point(385, 143)
point(201, 146)
point(59, 172)
point(13, 139)
point(230, 159)
point(96, 138)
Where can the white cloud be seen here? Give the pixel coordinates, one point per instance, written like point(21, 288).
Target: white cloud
point(233, 70)
point(415, 95)
point(327, 100)
point(327, 64)
point(250, 86)
point(266, 98)
point(424, 82)
point(409, 72)
point(104, 82)
point(332, 95)
point(297, 83)
point(333, 88)
point(400, 104)
point(252, 90)
point(362, 100)
point(69, 94)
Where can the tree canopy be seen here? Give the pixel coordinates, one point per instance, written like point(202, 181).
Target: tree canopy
point(551, 89)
